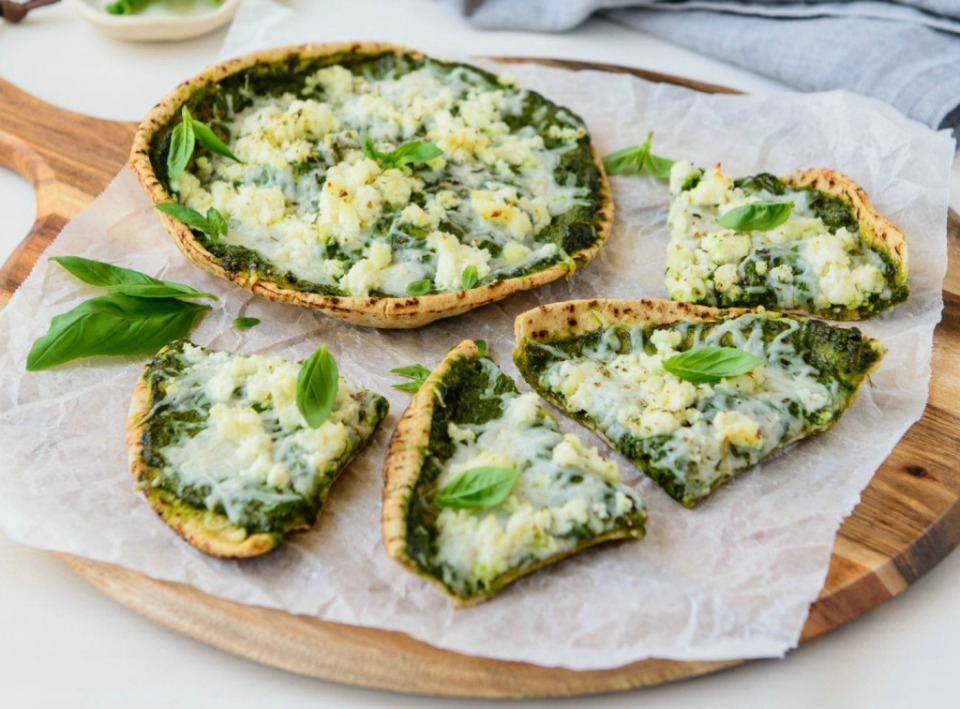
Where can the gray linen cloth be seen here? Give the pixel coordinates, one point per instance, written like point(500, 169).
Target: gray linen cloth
point(904, 52)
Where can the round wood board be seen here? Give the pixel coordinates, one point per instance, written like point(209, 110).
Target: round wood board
point(907, 521)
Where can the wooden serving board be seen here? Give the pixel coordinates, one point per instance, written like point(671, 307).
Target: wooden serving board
point(907, 521)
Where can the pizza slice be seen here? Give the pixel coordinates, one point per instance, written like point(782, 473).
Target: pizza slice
point(809, 242)
point(223, 454)
point(481, 486)
point(692, 395)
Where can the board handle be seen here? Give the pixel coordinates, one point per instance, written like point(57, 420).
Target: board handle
point(67, 157)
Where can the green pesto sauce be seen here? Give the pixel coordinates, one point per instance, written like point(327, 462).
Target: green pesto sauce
point(839, 355)
point(573, 231)
point(264, 515)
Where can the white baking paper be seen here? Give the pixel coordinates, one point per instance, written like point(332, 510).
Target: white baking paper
point(731, 579)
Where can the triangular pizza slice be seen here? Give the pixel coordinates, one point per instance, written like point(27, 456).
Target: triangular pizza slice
point(482, 487)
point(692, 395)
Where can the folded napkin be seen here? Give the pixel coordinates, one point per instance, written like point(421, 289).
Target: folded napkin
point(904, 52)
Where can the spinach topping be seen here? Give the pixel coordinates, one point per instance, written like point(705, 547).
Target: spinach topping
point(835, 212)
point(762, 182)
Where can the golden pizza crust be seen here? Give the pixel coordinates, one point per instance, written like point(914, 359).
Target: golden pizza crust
point(210, 532)
point(575, 318)
point(394, 313)
point(876, 231)
point(579, 317)
point(408, 451)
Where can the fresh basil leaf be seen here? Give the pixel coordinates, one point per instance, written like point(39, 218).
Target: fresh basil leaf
point(182, 142)
point(626, 161)
point(213, 225)
point(757, 216)
point(317, 387)
point(481, 347)
point(711, 364)
point(113, 324)
point(370, 151)
point(421, 287)
point(245, 323)
point(654, 165)
point(413, 151)
point(692, 180)
point(403, 154)
point(469, 278)
point(208, 139)
point(124, 280)
point(162, 289)
point(412, 371)
point(637, 159)
point(658, 167)
point(478, 488)
point(218, 225)
point(187, 215)
point(417, 372)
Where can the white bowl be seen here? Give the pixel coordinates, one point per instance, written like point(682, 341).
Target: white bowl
point(159, 21)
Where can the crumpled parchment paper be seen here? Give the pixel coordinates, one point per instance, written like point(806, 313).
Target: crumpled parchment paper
point(731, 579)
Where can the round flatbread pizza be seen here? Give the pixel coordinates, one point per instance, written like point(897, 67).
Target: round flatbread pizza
point(372, 183)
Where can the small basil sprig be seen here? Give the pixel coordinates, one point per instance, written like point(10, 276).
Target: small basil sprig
point(141, 315)
point(114, 324)
point(213, 225)
point(757, 216)
point(183, 140)
point(421, 287)
point(317, 385)
point(637, 159)
point(124, 280)
point(417, 372)
point(245, 323)
point(478, 488)
point(711, 364)
point(469, 278)
point(403, 154)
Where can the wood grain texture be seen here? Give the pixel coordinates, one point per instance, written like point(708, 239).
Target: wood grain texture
point(69, 159)
point(907, 521)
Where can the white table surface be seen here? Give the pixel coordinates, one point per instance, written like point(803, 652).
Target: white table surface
point(64, 644)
